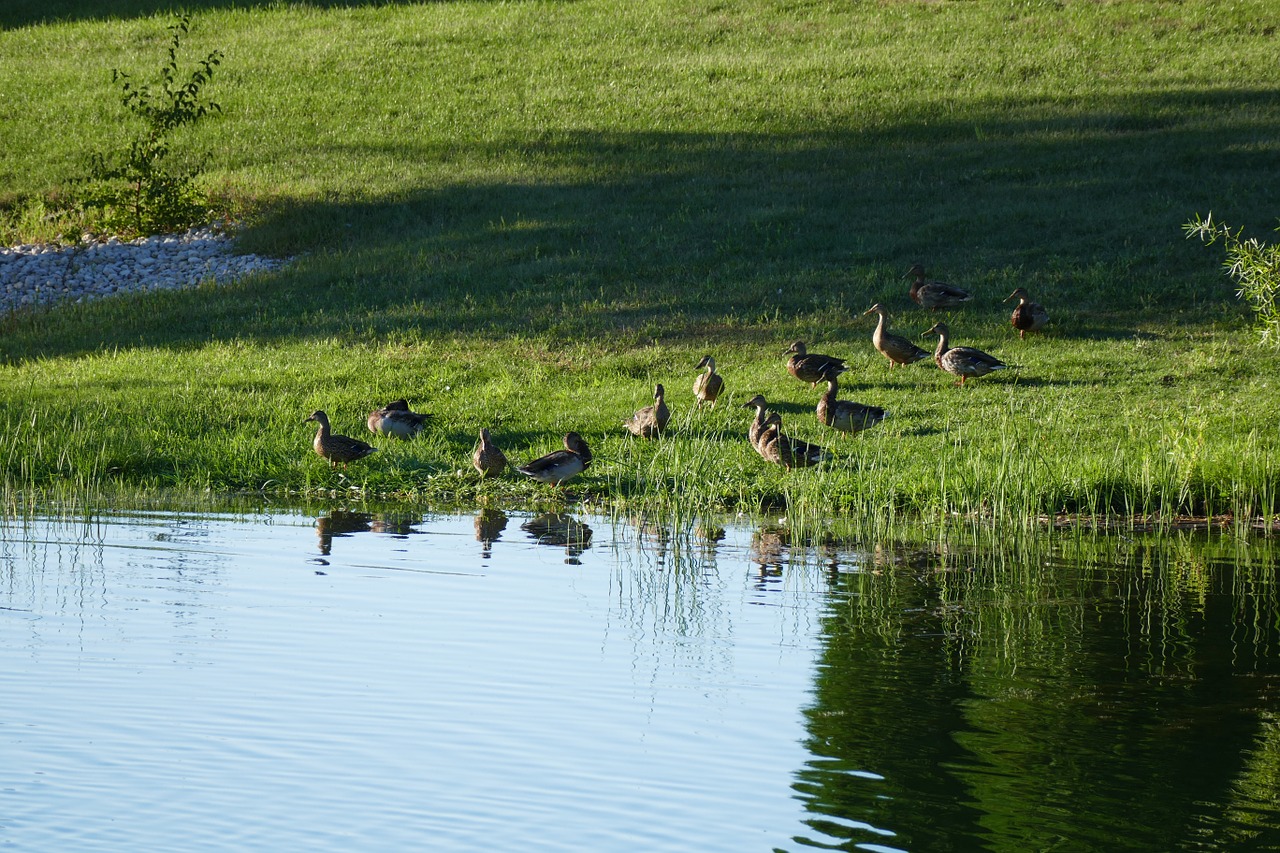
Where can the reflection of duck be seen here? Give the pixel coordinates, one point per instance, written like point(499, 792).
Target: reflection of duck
point(560, 531)
point(962, 361)
point(707, 387)
point(934, 294)
point(396, 419)
point(768, 548)
point(650, 421)
point(809, 366)
point(709, 534)
point(489, 526)
point(656, 539)
point(337, 448)
point(394, 525)
point(488, 459)
point(560, 465)
point(340, 522)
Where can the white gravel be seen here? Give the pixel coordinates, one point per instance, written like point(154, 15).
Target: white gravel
point(41, 274)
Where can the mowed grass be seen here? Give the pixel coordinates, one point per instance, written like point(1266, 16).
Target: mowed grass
point(524, 215)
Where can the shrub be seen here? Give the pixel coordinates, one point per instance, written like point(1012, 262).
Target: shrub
point(137, 189)
point(1255, 266)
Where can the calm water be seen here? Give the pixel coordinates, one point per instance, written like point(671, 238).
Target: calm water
point(349, 681)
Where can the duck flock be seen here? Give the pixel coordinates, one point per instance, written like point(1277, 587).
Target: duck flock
point(765, 432)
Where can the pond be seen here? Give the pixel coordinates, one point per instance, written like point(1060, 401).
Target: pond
point(336, 679)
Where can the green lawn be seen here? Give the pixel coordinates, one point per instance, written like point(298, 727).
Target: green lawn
point(523, 215)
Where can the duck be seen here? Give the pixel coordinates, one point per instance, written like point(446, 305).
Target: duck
point(708, 386)
point(757, 427)
point(560, 465)
point(962, 361)
point(397, 420)
point(488, 459)
point(781, 449)
point(896, 348)
point(1027, 316)
point(810, 366)
point(767, 438)
point(336, 448)
point(650, 421)
point(934, 294)
point(846, 415)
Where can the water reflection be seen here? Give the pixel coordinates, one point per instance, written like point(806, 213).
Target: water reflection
point(395, 525)
point(340, 523)
point(560, 531)
point(769, 549)
point(489, 525)
point(1067, 690)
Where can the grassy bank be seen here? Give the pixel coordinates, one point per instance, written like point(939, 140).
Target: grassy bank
point(522, 216)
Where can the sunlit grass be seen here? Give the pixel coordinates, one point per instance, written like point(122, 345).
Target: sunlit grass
point(522, 216)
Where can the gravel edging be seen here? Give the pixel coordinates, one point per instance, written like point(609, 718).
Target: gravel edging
point(32, 275)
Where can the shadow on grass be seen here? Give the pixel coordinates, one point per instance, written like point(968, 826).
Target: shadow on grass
point(24, 13)
point(745, 238)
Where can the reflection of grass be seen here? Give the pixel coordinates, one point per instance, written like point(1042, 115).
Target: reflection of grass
point(1041, 677)
point(523, 216)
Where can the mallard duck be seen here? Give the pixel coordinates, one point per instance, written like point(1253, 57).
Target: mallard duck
point(707, 387)
point(560, 465)
point(758, 425)
point(781, 449)
point(396, 419)
point(846, 415)
point(650, 421)
point(337, 448)
point(810, 366)
point(1028, 316)
point(896, 348)
point(934, 294)
point(962, 361)
point(767, 438)
point(488, 459)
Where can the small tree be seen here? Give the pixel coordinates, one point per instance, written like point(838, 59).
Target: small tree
point(137, 188)
point(1254, 265)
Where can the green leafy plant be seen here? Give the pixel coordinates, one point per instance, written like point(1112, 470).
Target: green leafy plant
point(1254, 265)
point(138, 189)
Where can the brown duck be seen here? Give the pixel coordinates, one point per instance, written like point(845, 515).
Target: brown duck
point(781, 449)
point(934, 294)
point(962, 361)
point(896, 348)
point(650, 421)
point(395, 418)
point(1028, 316)
point(810, 366)
point(488, 459)
point(846, 415)
point(758, 425)
point(708, 386)
point(337, 448)
point(560, 465)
